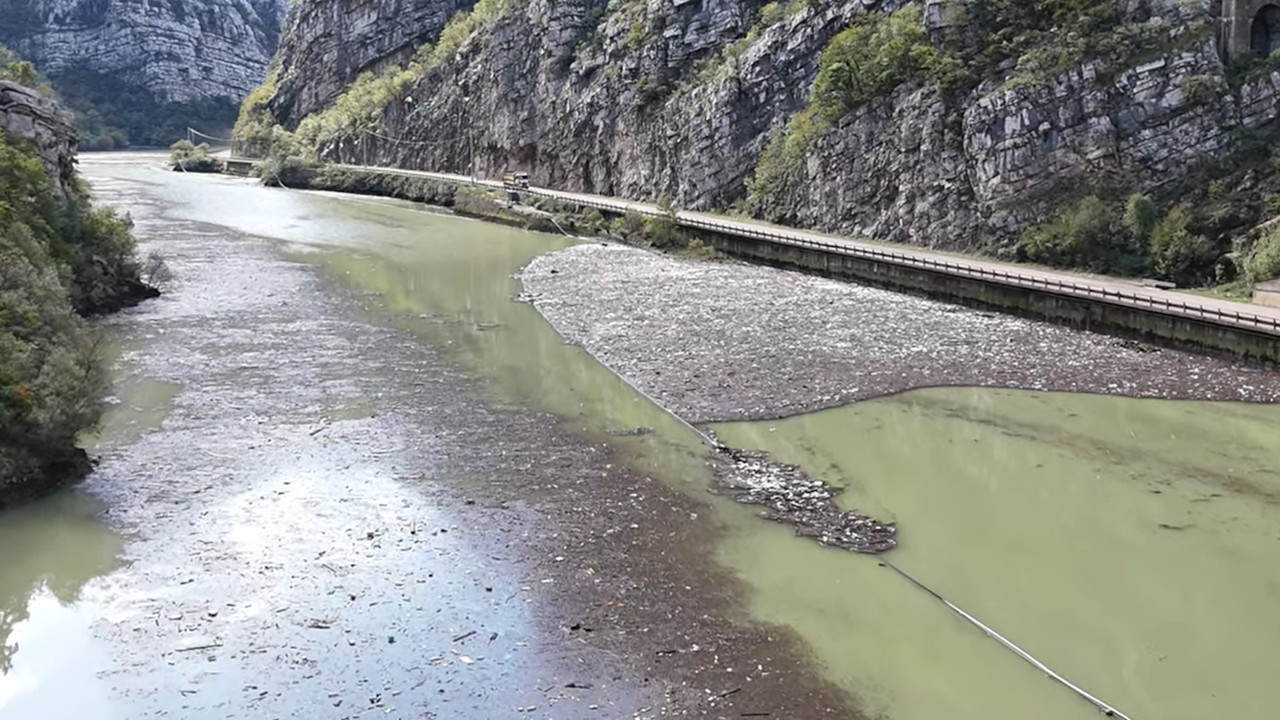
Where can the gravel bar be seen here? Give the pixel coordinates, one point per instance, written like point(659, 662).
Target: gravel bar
point(718, 341)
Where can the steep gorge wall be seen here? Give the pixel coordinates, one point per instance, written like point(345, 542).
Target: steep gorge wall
point(179, 50)
point(678, 98)
point(327, 44)
point(30, 116)
point(916, 168)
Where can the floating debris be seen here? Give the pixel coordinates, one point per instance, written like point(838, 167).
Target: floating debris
point(796, 499)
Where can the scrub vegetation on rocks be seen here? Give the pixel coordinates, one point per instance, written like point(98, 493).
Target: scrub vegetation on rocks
point(60, 258)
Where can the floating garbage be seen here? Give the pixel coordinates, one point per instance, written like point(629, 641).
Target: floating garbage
point(796, 499)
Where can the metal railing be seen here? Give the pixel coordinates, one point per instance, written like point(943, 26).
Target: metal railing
point(849, 249)
point(1173, 307)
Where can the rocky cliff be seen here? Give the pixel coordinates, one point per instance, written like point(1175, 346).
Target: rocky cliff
point(180, 50)
point(26, 114)
point(141, 71)
point(1018, 109)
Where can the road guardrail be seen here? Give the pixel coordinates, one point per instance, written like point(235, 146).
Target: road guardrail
point(782, 237)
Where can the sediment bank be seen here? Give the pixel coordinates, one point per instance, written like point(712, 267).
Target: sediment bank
point(736, 341)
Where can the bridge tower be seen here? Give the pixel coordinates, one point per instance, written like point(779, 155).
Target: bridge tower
point(1250, 27)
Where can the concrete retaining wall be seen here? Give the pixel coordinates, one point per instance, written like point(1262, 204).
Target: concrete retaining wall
point(1096, 314)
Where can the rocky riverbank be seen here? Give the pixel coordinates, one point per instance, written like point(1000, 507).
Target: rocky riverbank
point(716, 341)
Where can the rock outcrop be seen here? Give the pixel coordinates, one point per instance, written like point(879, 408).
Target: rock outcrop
point(180, 50)
point(328, 43)
point(26, 114)
point(677, 99)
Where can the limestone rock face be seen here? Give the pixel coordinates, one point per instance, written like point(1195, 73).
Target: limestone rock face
point(573, 93)
point(180, 50)
point(27, 114)
point(328, 43)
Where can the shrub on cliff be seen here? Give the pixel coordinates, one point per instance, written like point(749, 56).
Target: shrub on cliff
point(870, 58)
point(49, 370)
point(1176, 253)
point(58, 256)
point(779, 172)
point(14, 69)
point(254, 124)
point(92, 246)
point(1088, 234)
point(1263, 261)
point(186, 157)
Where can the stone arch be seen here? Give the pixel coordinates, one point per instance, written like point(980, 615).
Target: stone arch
point(1250, 27)
point(1264, 31)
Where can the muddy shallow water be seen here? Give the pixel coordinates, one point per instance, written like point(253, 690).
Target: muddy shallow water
point(346, 475)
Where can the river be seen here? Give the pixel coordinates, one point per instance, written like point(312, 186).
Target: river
point(337, 445)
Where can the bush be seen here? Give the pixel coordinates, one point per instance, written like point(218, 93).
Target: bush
point(1263, 261)
point(155, 271)
point(1199, 90)
point(185, 157)
point(780, 168)
point(870, 58)
point(92, 246)
point(49, 371)
point(1140, 218)
point(771, 14)
point(1085, 234)
point(15, 69)
point(629, 228)
point(1178, 255)
point(58, 256)
point(255, 122)
point(663, 231)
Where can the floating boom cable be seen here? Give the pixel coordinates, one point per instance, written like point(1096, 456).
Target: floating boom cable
point(1103, 707)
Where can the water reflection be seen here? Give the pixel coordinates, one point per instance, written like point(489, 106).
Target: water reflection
point(53, 546)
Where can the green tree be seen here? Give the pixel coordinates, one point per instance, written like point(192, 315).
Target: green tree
point(1140, 217)
point(1089, 234)
point(870, 58)
point(1176, 253)
point(1263, 262)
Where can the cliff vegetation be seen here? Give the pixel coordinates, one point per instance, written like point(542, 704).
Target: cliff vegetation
point(61, 258)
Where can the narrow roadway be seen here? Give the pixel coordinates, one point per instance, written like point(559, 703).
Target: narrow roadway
point(1114, 290)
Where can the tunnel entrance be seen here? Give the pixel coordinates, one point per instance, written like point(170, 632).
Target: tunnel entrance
point(1265, 32)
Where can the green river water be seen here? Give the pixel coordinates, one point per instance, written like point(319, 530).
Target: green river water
point(1130, 545)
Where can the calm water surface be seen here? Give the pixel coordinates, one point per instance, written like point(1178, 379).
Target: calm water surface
point(1131, 545)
